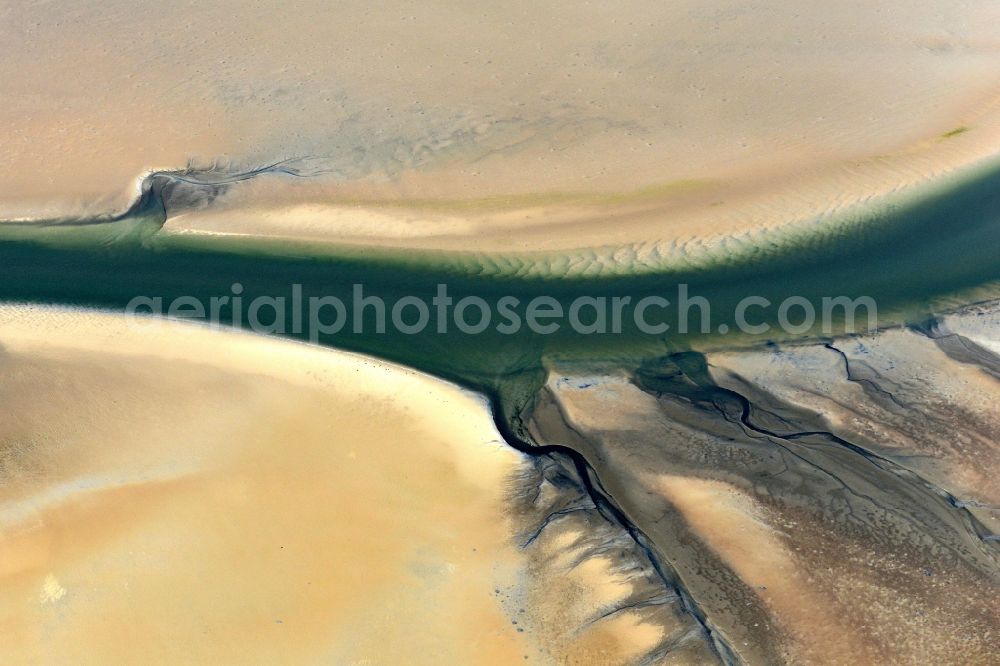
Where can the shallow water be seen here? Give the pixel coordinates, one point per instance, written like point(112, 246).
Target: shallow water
point(911, 259)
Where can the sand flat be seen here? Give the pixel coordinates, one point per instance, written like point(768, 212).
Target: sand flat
point(795, 549)
point(217, 498)
point(441, 126)
point(221, 497)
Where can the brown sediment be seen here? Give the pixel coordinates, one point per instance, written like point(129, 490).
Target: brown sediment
point(923, 397)
point(588, 571)
point(797, 544)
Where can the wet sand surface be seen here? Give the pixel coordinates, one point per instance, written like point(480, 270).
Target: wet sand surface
point(174, 494)
point(826, 503)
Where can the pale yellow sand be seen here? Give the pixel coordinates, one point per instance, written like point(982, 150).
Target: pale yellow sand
point(660, 126)
point(174, 495)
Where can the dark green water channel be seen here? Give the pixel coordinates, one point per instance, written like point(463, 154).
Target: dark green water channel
point(910, 259)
